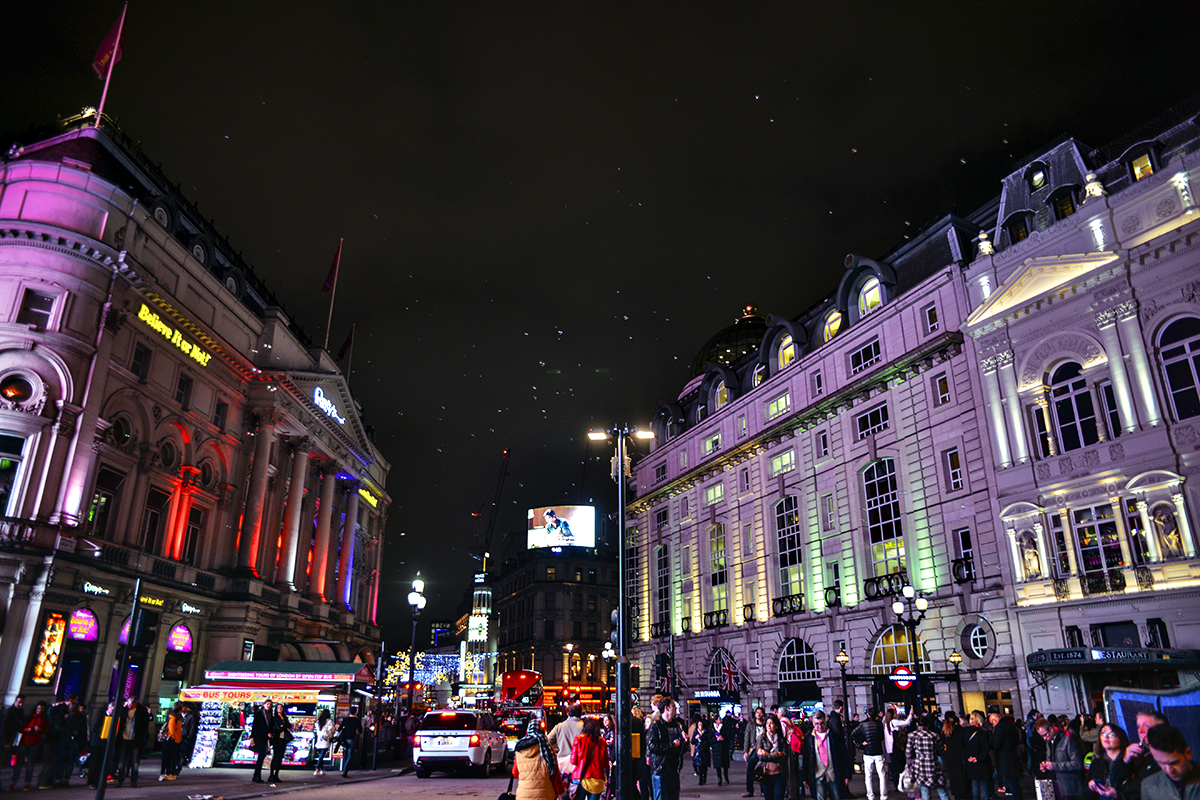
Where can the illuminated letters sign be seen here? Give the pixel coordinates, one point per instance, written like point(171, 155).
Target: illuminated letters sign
point(372, 501)
point(477, 628)
point(188, 608)
point(153, 601)
point(179, 640)
point(326, 405)
point(91, 588)
point(83, 626)
point(174, 336)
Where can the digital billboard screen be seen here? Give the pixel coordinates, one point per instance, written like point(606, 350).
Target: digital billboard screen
point(562, 526)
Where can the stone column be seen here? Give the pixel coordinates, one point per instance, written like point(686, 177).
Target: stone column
point(995, 410)
point(346, 555)
point(1143, 372)
point(1150, 534)
point(1107, 320)
point(252, 516)
point(62, 434)
point(1122, 534)
point(1185, 528)
point(1101, 418)
point(1018, 560)
point(1069, 539)
point(1012, 402)
point(21, 633)
point(292, 515)
point(1043, 400)
point(316, 579)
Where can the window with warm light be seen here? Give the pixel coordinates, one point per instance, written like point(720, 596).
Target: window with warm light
point(883, 517)
point(833, 324)
point(712, 444)
point(720, 395)
point(714, 494)
point(870, 296)
point(779, 405)
point(784, 462)
point(791, 548)
point(718, 569)
point(786, 351)
point(1142, 166)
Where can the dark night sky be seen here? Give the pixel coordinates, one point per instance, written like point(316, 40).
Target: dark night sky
point(549, 207)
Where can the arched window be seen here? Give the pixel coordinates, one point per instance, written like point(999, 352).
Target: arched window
point(892, 650)
point(833, 324)
point(870, 296)
point(798, 662)
point(719, 572)
point(786, 352)
point(883, 517)
point(720, 394)
point(760, 374)
point(1074, 413)
point(1180, 348)
point(791, 560)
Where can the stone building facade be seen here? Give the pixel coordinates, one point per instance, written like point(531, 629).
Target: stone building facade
point(162, 417)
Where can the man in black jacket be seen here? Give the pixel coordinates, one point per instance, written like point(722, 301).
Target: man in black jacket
point(132, 735)
point(260, 736)
point(869, 736)
point(665, 747)
point(14, 720)
point(824, 760)
point(347, 733)
point(1006, 744)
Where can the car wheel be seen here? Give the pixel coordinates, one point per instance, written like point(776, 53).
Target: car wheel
point(422, 772)
point(487, 764)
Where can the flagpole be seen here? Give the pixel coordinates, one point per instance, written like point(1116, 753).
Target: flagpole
point(350, 355)
point(112, 62)
point(333, 292)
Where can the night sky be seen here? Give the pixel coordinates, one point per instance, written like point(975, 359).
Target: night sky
point(548, 208)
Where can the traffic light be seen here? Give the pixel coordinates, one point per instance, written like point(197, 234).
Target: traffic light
point(145, 628)
point(662, 666)
point(635, 677)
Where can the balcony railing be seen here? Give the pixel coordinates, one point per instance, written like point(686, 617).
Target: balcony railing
point(833, 596)
point(716, 619)
point(15, 533)
point(963, 569)
point(885, 585)
point(748, 612)
point(1062, 589)
point(1109, 582)
point(660, 629)
point(791, 604)
point(1145, 577)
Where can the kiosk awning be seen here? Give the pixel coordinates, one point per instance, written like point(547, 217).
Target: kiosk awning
point(279, 692)
point(1093, 659)
point(289, 672)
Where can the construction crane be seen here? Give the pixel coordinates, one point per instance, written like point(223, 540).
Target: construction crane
point(491, 523)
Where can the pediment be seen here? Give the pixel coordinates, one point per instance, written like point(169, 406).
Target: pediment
point(327, 397)
point(1037, 279)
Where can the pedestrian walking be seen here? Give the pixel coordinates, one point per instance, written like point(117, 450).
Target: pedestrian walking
point(347, 736)
point(322, 741)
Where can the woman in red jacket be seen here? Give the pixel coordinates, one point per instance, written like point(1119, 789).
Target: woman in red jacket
point(30, 743)
point(589, 755)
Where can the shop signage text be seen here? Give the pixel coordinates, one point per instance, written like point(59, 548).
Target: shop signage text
point(157, 602)
point(372, 501)
point(174, 336)
point(91, 588)
point(902, 677)
point(188, 608)
point(326, 405)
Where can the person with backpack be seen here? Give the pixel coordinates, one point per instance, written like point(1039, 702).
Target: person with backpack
point(869, 738)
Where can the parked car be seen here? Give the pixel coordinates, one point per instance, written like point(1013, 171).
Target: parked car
point(456, 739)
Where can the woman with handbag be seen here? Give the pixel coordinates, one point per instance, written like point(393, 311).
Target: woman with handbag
point(773, 751)
point(322, 741)
point(535, 766)
point(589, 757)
point(281, 734)
point(28, 744)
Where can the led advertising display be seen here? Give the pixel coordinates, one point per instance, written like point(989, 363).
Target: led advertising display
point(562, 526)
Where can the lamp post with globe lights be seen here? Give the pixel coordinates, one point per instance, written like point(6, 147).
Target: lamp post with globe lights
point(910, 608)
point(416, 601)
point(955, 658)
point(621, 471)
point(610, 656)
point(842, 659)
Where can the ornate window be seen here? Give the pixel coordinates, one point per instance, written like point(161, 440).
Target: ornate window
point(977, 642)
point(1074, 412)
point(11, 448)
point(720, 394)
point(833, 324)
point(786, 352)
point(791, 561)
point(798, 662)
point(1180, 348)
point(1099, 541)
point(719, 571)
point(662, 584)
point(883, 517)
point(870, 296)
point(892, 649)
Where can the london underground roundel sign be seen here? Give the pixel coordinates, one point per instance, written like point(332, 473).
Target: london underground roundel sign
point(902, 677)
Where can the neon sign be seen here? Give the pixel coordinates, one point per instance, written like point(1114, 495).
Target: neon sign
point(179, 639)
point(174, 336)
point(188, 608)
point(83, 627)
point(370, 498)
point(51, 649)
point(326, 405)
point(91, 588)
point(157, 602)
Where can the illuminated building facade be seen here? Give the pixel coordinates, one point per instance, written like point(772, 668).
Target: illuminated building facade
point(1087, 323)
point(162, 417)
point(555, 616)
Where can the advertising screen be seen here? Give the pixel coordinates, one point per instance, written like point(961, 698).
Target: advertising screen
point(562, 526)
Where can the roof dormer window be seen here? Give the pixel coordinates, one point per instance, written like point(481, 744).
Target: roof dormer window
point(1037, 176)
point(1017, 226)
point(870, 296)
point(1142, 166)
point(1142, 160)
point(786, 351)
point(1062, 201)
point(833, 324)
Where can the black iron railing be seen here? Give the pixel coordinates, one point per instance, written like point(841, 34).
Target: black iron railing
point(884, 585)
point(963, 569)
point(791, 604)
point(1107, 582)
point(716, 619)
point(833, 596)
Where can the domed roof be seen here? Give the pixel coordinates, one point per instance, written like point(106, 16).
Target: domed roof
point(730, 345)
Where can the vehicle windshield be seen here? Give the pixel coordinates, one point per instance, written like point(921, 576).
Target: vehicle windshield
point(514, 724)
point(448, 721)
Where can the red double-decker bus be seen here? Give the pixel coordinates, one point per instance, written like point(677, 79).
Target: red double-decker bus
point(521, 688)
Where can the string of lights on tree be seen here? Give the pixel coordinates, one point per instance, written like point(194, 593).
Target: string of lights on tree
point(433, 668)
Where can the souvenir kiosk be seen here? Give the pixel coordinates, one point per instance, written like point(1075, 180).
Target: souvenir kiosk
point(227, 702)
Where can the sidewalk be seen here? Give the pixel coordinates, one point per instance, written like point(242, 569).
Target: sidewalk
point(230, 783)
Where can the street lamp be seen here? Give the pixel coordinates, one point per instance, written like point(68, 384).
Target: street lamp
point(955, 658)
point(567, 668)
point(624, 760)
point(842, 659)
point(416, 600)
point(610, 656)
point(910, 607)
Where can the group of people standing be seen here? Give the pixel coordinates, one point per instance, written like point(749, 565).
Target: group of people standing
point(271, 731)
point(572, 761)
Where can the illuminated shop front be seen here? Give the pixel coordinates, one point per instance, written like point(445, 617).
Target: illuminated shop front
point(227, 704)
